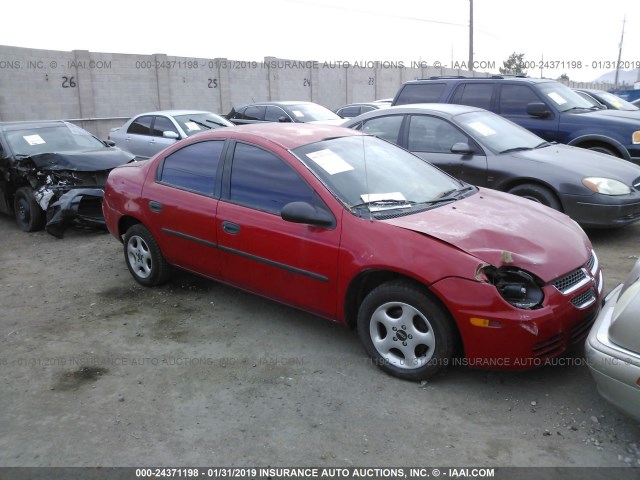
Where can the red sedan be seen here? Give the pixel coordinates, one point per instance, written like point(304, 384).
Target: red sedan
point(362, 232)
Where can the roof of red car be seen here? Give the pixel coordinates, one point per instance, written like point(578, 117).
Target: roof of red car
point(287, 135)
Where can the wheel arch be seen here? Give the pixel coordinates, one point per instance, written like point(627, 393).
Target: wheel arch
point(589, 141)
point(125, 223)
point(368, 280)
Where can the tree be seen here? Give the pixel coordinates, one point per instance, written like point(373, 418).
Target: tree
point(513, 65)
point(564, 77)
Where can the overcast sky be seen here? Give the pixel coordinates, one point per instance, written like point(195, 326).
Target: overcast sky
point(568, 31)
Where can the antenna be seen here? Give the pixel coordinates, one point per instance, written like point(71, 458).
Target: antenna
point(615, 86)
point(366, 176)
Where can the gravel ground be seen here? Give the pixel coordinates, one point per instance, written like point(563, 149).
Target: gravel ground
point(96, 370)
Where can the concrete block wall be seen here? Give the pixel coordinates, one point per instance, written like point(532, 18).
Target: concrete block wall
point(100, 90)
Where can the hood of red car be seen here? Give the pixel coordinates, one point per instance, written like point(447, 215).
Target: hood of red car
point(502, 230)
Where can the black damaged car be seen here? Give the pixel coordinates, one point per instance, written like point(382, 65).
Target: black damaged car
point(52, 174)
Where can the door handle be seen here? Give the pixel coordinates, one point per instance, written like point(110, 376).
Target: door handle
point(230, 227)
point(155, 207)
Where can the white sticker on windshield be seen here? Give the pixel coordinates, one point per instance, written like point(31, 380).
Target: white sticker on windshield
point(556, 97)
point(482, 129)
point(376, 197)
point(192, 126)
point(393, 198)
point(34, 139)
point(330, 161)
point(298, 113)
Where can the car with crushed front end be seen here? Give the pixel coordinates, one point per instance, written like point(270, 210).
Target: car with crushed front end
point(52, 174)
point(612, 348)
point(357, 230)
point(487, 150)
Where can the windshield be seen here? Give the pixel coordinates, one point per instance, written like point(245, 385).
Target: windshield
point(370, 172)
point(563, 97)
point(615, 102)
point(197, 122)
point(497, 133)
point(59, 138)
point(311, 112)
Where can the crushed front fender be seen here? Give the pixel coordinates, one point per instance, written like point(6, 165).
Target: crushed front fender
point(81, 206)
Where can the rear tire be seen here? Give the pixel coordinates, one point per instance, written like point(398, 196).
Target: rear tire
point(29, 216)
point(537, 193)
point(144, 258)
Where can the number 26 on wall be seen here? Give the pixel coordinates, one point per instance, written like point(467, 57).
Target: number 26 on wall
point(68, 82)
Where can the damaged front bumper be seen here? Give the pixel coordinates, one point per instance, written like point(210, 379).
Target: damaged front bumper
point(79, 206)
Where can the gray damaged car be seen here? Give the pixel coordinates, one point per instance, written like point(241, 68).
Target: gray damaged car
point(52, 174)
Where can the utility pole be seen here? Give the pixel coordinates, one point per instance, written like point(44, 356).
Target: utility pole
point(470, 66)
point(615, 86)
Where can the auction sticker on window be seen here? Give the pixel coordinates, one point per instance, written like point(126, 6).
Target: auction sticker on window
point(192, 126)
point(557, 98)
point(482, 129)
point(329, 161)
point(34, 139)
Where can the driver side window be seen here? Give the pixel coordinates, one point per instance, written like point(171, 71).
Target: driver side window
point(433, 135)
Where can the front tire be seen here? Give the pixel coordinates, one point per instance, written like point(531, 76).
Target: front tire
point(605, 150)
point(144, 258)
point(405, 332)
point(29, 216)
point(537, 193)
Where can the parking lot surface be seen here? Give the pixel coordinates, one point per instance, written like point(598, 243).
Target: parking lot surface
point(96, 370)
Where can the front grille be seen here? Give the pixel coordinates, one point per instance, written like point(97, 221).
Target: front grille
point(549, 347)
point(584, 299)
point(580, 330)
point(571, 281)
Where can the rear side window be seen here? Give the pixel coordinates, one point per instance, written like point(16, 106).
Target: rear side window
point(193, 167)
point(349, 112)
point(264, 181)
point(387, 127)
point(420, 93)
point(141, 126)
point(474, 94)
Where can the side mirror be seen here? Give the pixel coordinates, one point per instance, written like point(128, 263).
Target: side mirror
point(303, 212)
point(170, 134)
point(462, 148)
point(538, 109)
point(109, 143)
point(284, 119)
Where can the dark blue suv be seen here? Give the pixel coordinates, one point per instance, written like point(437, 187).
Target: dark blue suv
point(548, 108)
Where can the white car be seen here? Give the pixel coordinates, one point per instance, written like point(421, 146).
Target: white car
point(148, 133)
point(613, 346)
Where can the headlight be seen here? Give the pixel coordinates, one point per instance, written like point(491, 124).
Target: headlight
point(606, 186)
point(517, 287)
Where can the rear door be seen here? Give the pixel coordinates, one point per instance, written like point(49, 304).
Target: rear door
point(138, 136)
point(259, 251)
point(182, 200)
